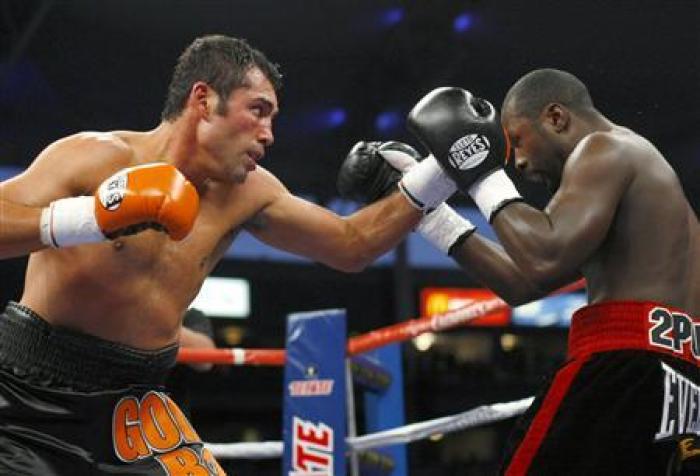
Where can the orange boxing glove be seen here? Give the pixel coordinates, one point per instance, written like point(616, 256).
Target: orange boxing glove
point(155, 196)
point(146, 196)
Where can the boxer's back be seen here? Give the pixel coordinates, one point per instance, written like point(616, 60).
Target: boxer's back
point(650, 252)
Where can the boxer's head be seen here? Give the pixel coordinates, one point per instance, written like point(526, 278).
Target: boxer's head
point(222, 63)
point(228, 91)
point(539, 113)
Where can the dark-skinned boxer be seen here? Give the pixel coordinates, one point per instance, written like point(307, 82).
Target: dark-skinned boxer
point(627, 400)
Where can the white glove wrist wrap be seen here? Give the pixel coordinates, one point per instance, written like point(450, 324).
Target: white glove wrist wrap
point(426, 185)
point(69, 222)
point(492, 192)
point(443, 227)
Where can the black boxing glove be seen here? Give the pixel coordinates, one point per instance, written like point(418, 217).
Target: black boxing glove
point(442, 227)
point(465, 135)
point(365, 176)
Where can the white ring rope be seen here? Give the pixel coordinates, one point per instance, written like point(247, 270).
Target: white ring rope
point(254, 450)
point(418, 431)
point(405, 434)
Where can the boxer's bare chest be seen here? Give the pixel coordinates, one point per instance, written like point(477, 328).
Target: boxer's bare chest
point(191, 259)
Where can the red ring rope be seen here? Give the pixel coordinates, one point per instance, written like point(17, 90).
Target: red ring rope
point(357, 345)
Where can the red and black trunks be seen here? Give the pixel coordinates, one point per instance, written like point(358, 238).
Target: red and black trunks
point(627, 400)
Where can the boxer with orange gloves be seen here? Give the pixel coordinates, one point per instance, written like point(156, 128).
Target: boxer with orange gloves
point(122, 228)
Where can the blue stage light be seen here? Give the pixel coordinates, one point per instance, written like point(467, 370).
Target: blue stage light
point(312, 120)
point(334, 117)
point(462, 22)
point(387, 121)
point(391, 16)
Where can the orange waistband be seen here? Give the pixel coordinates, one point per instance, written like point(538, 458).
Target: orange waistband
point(639, 325)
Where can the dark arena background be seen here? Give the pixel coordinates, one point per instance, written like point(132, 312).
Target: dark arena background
point(352, 70)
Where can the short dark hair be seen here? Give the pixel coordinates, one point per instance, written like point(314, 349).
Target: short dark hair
point(531, 93)
point(220, 61)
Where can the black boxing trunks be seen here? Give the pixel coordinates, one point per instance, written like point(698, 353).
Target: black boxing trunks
point(73, 404)
point(626, 401)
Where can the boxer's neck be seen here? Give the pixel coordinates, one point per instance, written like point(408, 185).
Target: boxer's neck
point(176, 143)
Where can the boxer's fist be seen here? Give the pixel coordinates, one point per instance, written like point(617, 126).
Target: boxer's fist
point(155, 196)
point(366, 176)
point(465, 135)
point(462, 131)
point(147, 196)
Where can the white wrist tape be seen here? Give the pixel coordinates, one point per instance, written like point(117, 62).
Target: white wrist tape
point(70, 221)
point(426, 185)
point(443, 227)
point(492, 192)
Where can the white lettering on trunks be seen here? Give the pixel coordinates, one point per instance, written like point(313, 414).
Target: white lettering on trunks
point(680, 413)
point(674, 331)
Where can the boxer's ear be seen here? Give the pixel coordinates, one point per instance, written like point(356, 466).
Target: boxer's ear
point(556, 117)
point(203, 99)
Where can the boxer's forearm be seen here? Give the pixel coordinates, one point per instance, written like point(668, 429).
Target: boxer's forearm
point(19, 229)
point(380, 227)
point(546, 253)
point(192, 339)
point(345, 243)
point(487, 263)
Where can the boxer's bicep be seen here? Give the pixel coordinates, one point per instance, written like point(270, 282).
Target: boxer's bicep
point(553, 245)
point(293, 224)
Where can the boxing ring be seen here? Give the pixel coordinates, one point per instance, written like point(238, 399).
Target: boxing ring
point(319, 424)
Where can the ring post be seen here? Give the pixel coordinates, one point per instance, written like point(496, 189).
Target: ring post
point(385, 409)
point(314, 425)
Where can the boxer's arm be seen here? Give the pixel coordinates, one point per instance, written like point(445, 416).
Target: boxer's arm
point(348, 243)
point(19, 229)
point(66, 168)
point(551, 246)
point(487, 262)
point(193, 339)
point(484, 260)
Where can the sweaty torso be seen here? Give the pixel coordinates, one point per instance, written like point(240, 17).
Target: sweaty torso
point(652, 249)
point(134, 290)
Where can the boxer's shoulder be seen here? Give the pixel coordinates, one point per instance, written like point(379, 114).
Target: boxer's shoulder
point(105, 144)
point(94, 154)
point(262, 185)
point(599, 144)
point(620, 143)
point(607, 152)
point(71, 166)
point(595, 154)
